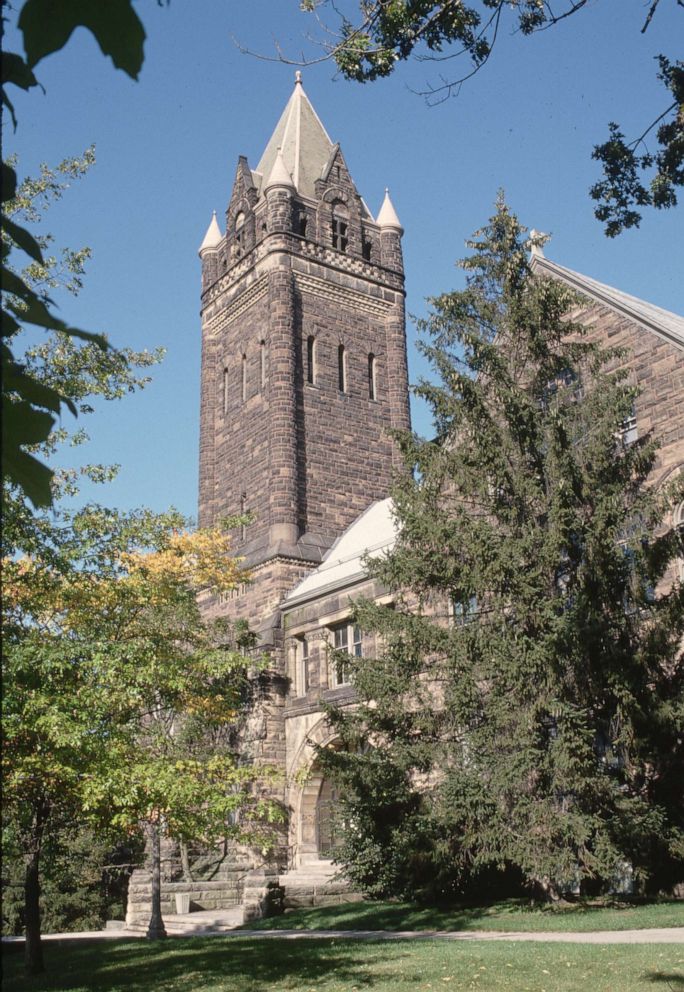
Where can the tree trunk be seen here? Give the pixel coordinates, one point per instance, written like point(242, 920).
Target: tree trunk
point(33, 947)
point(156, 929)
point(548, 888)
point(185, 862)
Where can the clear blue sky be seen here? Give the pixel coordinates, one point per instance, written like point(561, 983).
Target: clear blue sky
point(167, 147)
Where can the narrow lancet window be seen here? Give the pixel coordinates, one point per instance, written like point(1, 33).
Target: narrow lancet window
point(225, 391)
point(341, 369)
point(371, 377)
point(311, 360)
point(262, 365)
point(239, 229)
point(244, 378)
point(340, 226)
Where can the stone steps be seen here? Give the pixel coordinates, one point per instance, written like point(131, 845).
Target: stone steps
point(316, 883)
point(203, 921)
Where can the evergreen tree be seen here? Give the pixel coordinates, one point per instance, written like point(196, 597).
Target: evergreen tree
point(526, 711)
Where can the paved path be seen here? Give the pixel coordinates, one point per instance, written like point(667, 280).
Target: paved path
point(662, 935)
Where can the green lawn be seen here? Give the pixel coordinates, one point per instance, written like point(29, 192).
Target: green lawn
point(327, 965)
point(512, 914)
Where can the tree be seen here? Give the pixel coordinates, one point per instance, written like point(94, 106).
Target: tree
point(525, 714)
point(108, 662)
point(29, 408)
point(378, 35)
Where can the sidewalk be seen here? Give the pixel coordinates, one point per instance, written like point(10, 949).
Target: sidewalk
point(662, 935)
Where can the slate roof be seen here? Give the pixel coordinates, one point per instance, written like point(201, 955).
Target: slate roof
point(373, 533)
point(305, 145)
point(664, 323)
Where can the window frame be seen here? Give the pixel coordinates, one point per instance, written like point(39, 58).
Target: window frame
point(311, 364)
point(348, 637)
point(372, 377)
point(342, 384)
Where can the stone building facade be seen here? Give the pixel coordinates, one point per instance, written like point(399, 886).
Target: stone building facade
point(304, 375)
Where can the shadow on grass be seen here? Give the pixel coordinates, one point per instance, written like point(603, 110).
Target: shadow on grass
point(672, 981)
point(191, 964)
point(510, 914)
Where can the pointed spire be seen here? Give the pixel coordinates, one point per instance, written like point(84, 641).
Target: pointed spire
point(303, 142)
point(388, 215)
point(213, 236)
point(279, 175)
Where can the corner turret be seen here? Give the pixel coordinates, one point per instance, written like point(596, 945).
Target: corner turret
point(208, 252)
point(391, 232)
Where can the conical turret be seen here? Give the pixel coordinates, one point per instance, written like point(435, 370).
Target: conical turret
point(212, 238)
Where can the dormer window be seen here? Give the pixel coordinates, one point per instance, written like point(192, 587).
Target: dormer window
point(340, 226)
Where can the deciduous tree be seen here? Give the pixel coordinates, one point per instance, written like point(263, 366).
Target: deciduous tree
point(109, 668)
point(368, 40)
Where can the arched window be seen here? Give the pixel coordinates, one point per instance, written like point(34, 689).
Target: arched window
point(239, 228)
point(340, 226)
point(311, 360)
point(341, 369)
point(372, 391)
point(262, 365)
point(225, 391)
point(243, 511)
point(244, 378)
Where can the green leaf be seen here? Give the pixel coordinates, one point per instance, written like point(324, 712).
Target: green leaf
point(34, 311)
point(15, 70)
point(6, 102)
point(47, 27)
point(15, 380)
point(23, 239)
point(30, 474)
point(9, 182)
point(22, 424)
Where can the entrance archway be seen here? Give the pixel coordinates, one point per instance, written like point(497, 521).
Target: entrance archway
point(320, 833)
point(328, 832)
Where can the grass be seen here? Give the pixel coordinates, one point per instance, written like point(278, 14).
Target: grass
point(511, 914)
point(328, 965)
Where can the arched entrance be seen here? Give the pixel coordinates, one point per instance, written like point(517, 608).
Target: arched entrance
point(328, 825)
point(319, 817)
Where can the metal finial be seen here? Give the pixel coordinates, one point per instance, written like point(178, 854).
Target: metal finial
point(298, 77)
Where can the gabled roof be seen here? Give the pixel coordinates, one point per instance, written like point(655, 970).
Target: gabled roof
point(373, 533)
point(664, 323)
point(304, 143)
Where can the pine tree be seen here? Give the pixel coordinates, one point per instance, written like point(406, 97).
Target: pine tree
point(526, 712)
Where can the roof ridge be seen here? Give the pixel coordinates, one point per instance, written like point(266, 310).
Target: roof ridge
point(665, 323)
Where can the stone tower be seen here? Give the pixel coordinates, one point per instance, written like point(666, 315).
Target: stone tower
point(303, 359)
